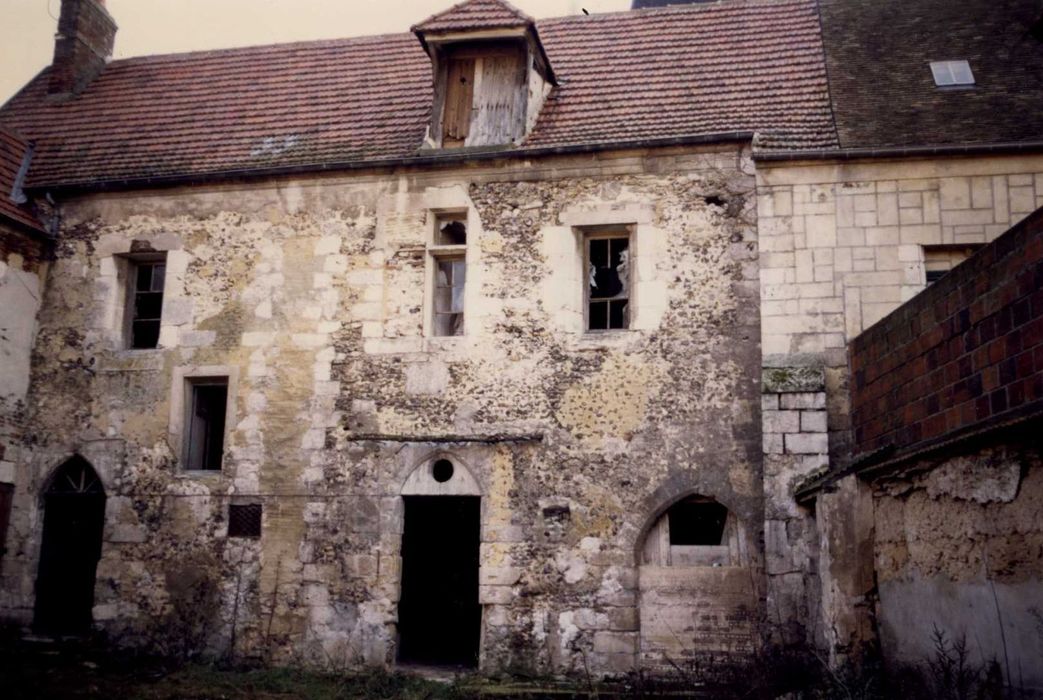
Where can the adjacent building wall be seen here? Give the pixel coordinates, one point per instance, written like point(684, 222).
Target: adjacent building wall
point(310, 295)
point(842, 245)
point(23, 270)
point(959, 544)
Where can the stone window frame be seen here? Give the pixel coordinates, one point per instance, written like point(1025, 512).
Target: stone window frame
point(180, 403)
point(563, 287)
point(434, 251)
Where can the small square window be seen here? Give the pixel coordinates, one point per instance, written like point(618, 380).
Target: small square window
point(207, 404)
point(950, 73)
point(244, 520)
point(608, 281)
point(144, 302)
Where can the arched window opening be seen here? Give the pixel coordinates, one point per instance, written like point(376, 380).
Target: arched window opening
point(694, 531)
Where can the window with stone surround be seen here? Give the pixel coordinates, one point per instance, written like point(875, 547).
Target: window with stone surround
point(207, 406)
point(607, 266)
point(447, 259)
point(940, 259)
point(146, 277)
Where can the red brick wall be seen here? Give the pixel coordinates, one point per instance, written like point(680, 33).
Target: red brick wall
point(965, 352)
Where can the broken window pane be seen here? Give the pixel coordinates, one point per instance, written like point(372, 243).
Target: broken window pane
point(450, 276)
point(451, 229)
point(204, 444)
point(146, 303)
point(608, 283)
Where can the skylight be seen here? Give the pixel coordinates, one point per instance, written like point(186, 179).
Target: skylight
point(949, 73)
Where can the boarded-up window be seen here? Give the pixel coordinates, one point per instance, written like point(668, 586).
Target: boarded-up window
point(205, 427)
point(459, 96)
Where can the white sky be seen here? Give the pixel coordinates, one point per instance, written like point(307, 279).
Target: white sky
point(164, 26)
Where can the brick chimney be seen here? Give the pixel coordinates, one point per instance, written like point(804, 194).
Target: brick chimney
point(82, 46)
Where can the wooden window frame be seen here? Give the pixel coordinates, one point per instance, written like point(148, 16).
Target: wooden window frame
point(438, 252)
point(134, 262)
point(604, 233)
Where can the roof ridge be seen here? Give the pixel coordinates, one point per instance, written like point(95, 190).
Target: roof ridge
point(467, 13)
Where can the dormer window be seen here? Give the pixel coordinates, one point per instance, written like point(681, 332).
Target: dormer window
point(490, 74)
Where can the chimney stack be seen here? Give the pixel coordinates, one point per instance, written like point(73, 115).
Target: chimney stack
point(86, 33)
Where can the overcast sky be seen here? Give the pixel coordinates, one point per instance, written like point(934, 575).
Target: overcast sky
point(166, 26)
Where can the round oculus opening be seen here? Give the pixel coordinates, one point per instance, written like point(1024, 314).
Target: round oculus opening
point(442, 470)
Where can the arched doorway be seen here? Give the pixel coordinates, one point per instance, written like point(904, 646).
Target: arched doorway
point(74, 514)
point(439, 616)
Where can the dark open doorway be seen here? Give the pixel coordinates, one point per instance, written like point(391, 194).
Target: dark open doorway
point(439, 618)
point(74, 514)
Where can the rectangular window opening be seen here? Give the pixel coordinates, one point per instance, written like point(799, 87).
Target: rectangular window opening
point(244, 520)
point(608, 281)
point(448, 306)
point(451, 229)
point(145, 302)
point(205, 424)
point(939, 260)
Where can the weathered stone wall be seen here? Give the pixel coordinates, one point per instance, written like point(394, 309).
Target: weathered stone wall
point(23, 270)
point(310, 295)
point(959, 549)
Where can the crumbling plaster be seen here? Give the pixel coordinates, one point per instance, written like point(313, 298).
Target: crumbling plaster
point(314, 288)
point(958, 548)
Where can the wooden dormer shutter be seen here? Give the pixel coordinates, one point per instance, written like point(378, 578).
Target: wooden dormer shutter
point(499, 101)
point(459, 97)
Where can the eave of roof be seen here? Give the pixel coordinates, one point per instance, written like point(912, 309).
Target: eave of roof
point(625, 78)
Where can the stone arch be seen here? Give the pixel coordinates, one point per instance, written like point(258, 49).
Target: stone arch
point(656, 504)
point(72, 472)
point(428, 477)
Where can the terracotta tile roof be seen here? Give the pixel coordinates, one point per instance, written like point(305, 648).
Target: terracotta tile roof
point(880, 77)
point(12, 154)
point(475, 14)
point(680, 72)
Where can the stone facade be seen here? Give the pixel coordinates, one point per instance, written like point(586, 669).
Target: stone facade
point(311, 296)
